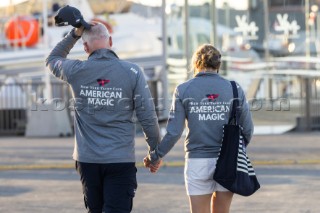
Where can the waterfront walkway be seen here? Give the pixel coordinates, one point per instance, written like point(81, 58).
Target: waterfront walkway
point(37, 175)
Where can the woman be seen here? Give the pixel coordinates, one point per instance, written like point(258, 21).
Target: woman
point(203, 104)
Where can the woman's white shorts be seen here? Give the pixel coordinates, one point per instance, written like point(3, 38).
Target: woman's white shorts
point(198, 176)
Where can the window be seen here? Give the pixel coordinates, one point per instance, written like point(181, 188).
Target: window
point(277, 3)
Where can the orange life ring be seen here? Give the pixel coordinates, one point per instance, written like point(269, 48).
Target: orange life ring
point(22, 30)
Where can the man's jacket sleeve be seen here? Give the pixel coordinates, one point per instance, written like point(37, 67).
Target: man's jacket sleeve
point(145, 111)
point(57, 61)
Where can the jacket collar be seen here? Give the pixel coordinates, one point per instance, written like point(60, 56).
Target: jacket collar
point(103, 53)
point(206, 74)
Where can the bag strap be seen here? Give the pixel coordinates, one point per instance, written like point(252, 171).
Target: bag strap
point(235, 107)
point(235, 104)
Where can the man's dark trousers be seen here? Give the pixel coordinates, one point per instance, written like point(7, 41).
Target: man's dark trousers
point(108, 188)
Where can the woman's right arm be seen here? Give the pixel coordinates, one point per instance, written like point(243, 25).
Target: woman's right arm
point(245, 119)
point(175, 127)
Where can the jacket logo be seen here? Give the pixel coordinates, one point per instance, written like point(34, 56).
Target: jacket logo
point(102, 82)
point(212, 97)
point(134, 70)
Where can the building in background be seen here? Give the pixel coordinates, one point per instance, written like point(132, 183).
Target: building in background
point(266, 47)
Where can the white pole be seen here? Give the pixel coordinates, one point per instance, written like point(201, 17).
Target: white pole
point(48, 89)
point(267, 52)
point(164, 76)
point(214, 23)
point(187, 38)
point(318, 34)
point(307, 13)
point(307, 67)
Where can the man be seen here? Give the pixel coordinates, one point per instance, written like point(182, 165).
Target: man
point(107, 92)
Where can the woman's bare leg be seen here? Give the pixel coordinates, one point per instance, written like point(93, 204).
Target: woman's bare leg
point(221, 202)
point(213, 198)
point(200, 203)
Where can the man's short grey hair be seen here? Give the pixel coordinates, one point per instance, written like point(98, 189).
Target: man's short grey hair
point(97, 32)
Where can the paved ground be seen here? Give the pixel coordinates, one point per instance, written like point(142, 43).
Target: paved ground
point(288, 167)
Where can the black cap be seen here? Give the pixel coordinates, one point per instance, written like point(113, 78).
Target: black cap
point(68, 15)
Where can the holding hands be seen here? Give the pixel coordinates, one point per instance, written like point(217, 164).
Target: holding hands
point(153, 167)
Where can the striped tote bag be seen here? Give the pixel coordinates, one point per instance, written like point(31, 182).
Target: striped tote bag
point(234, 170)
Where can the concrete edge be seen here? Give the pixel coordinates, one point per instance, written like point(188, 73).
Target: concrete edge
point(164, 164)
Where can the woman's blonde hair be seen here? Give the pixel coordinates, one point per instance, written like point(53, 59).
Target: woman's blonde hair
point(206, 57)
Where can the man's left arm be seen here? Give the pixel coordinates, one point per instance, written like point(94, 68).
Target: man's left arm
point(145, 111)
point(57, 61)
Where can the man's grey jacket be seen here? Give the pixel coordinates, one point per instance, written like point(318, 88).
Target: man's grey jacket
point(106, 91)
